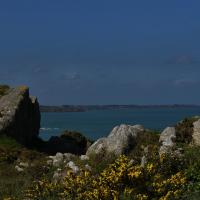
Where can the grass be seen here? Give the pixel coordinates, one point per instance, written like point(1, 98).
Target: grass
point(9, 143)
point(148, 139)
point(3, 89)
point(99, 162)
point(12, 183)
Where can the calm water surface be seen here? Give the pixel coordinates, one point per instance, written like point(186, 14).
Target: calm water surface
point(96, 124)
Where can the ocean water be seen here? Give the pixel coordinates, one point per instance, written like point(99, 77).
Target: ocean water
point(96, 124)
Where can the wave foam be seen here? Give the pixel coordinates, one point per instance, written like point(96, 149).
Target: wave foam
point(48, 129)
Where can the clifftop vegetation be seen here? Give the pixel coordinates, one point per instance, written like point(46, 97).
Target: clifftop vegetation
point(3, 89)
point(125, 177)
point(131, 163)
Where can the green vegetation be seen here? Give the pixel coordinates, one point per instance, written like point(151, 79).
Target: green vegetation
point(148, 139)
point(193, 170)
point(8, 143)
point(3, 89)
point(76, 136)
point(13, 183)
point(163, 177)
point(120, 180)
point(184, 131)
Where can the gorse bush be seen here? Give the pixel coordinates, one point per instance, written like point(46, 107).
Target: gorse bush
point(120, 180)
point(162, 177)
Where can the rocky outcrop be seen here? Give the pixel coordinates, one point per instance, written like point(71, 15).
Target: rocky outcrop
point(196, 132)
point(120, 141)
point(167, 140)
point(19, 115)
point(70, 142)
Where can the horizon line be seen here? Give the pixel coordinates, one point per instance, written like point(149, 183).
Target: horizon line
point(198, 105)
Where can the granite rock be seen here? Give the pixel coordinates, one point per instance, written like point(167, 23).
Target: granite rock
point(19, 115)
point(167, 140)
point(196, 132)
point(120, 141)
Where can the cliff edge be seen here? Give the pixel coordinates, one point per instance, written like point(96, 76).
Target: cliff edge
point(19, 115)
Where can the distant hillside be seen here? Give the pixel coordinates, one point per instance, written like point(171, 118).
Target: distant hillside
point(61, 109)
point(82, 108)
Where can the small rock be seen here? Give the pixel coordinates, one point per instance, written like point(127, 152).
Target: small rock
point(23, 164)
point(58, 170)
point(131, 162)
point(57, 159)
point(143, 161)
point(68, 156)
point(178, 153)
point(73, 167)
point(70, 164)
point(146, 150)
point(84, 157)
point(49, 162)
point(56, 176)
point(180, 150)
point(19, 169)
point(59, 156)
point(88, 167)
point(57, 163)
point(51, 157)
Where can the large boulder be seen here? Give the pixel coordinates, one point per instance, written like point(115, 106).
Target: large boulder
point(120, 141)
point(19, 115)
point(167, 140)
point(196, 132)
point(70, 142)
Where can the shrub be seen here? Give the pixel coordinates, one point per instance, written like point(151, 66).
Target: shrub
point(193, 169)
point(184, 130)
point(148, 139)
point(120, 180)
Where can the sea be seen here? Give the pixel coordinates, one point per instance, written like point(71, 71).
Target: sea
point(98, 123)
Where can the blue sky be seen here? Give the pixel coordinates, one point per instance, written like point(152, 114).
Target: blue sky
point(102, 52)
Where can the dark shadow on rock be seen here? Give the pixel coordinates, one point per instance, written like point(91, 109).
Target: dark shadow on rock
point(68, 142)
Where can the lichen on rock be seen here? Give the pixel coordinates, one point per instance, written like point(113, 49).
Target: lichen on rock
point(196, 132)
point(167, 140)
point(118, 142)
point(20, 115)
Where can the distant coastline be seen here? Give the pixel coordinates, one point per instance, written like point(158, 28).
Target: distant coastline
point(84, 108)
